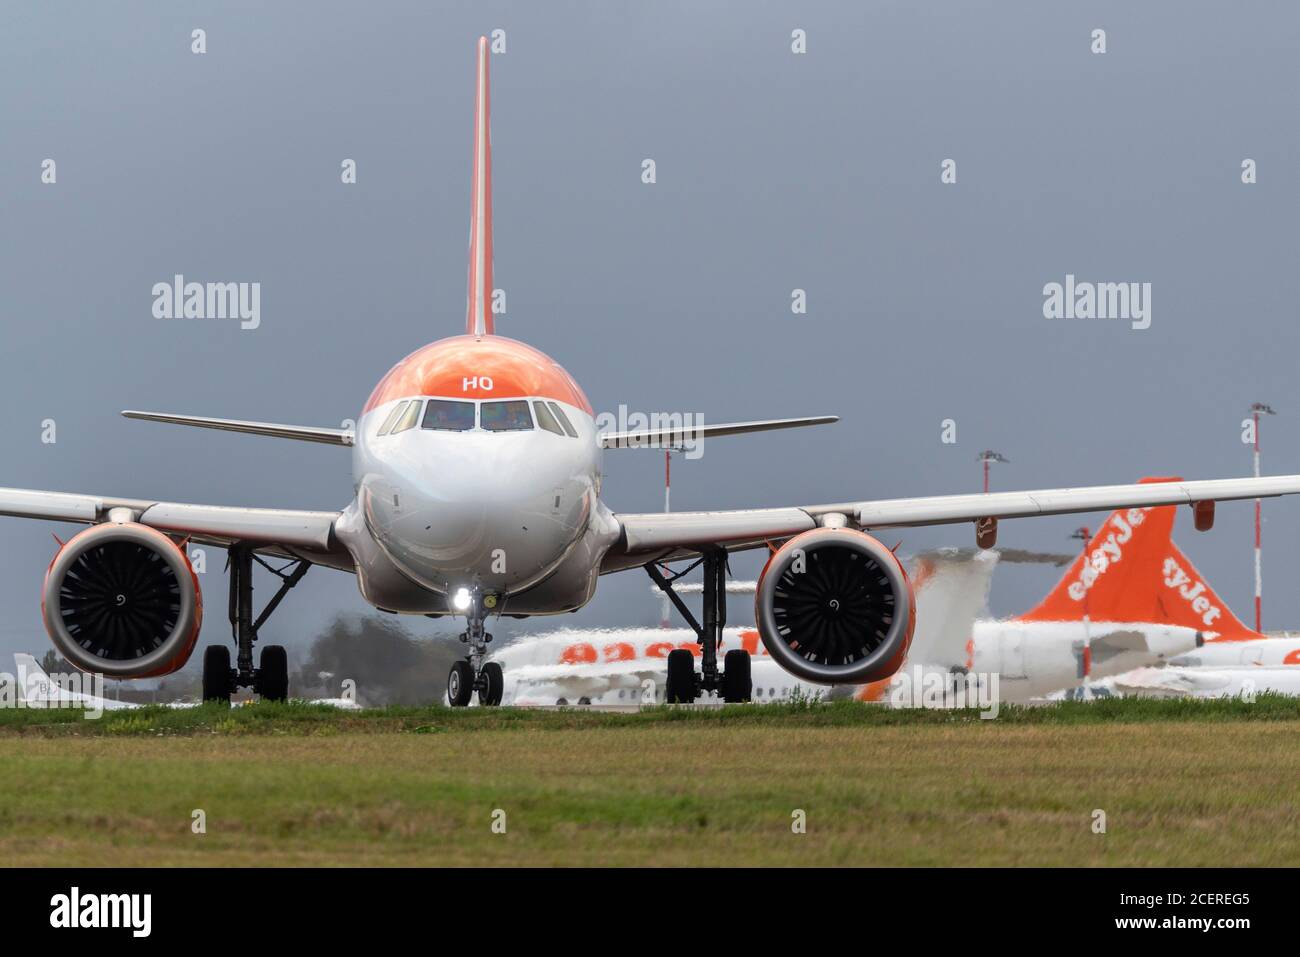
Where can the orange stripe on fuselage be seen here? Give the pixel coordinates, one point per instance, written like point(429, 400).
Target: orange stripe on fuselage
point(492, 367)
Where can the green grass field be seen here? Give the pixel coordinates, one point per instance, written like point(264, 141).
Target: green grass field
point(1181, 783)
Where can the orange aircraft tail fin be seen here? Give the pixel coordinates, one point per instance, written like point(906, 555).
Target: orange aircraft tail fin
point(1192, 602)
point(478, 312)
point(1135, 573)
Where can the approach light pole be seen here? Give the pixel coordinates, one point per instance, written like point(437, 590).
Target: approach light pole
point(1256, 410)
point(986, 457)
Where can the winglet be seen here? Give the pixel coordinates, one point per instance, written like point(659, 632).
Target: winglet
point(478, 314)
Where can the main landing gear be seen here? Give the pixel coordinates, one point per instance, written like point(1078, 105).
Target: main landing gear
point(733, 682)
point(271, 678)
point(473, 673)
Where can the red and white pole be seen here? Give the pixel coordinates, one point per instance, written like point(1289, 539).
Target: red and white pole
point(668, 480)
point(1259, 579)
point(1084, 534)
point(988, 456)
point(665, 620)
point(1256, 410)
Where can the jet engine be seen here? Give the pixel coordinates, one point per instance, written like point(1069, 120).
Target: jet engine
point(834, 606)
point(122, 600)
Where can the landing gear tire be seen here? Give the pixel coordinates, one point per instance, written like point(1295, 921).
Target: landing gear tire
point(273, 674)
point(493, 685)
point(681, 677)
point(216, 674)
point(736, 683)
point(460, 684)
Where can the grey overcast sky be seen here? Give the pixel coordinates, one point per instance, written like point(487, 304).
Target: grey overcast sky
point(775, 171)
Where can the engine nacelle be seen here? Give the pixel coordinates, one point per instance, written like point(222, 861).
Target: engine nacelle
point(834, 606)
point(122, 600)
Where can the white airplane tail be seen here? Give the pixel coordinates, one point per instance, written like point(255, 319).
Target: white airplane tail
point(31, 678)
point(952, 590)
point(478, 312)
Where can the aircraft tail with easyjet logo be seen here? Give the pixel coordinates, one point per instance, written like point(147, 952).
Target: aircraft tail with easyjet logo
point(1135, 573)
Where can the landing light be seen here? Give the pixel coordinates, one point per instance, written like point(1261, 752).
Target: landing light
point(461, 599)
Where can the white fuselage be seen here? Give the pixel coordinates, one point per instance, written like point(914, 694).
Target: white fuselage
point(1035, 658)
point(1262, 652)
point(512, 513)
point(588, 666)
point(624, 666)
point(1184, 682)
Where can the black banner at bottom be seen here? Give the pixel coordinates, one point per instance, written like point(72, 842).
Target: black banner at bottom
point(331, 907)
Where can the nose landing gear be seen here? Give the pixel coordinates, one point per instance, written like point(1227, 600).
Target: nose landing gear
point(473, 673)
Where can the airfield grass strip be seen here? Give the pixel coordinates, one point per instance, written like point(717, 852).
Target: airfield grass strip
point(297, 718)
point(657, 792)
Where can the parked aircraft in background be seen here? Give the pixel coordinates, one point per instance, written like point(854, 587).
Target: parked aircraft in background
point(1184, 682)
point(36, 689)
point(1048, 648)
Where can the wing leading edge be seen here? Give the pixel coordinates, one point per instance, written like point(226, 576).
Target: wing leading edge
point(305, 433)
point(300, 533)
point(646, 535)
point(673, 437)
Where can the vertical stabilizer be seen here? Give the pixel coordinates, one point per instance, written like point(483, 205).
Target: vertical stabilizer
point(1134, 573)
point(478, 317)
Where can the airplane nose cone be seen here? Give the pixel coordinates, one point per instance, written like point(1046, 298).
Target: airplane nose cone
point(473, 507)
point(457, 526)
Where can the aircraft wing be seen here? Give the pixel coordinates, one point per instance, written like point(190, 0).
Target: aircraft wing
point(676, 437)
point(290, 532)
point(662, 536)
point(305, 433)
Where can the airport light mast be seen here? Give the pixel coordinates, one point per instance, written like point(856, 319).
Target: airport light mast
point(1256, 410)
point(986, 457)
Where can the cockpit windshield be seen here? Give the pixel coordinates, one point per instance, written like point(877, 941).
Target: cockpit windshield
point(510, 416)
point(393, 417)
point(408, 418)
point(448, 416)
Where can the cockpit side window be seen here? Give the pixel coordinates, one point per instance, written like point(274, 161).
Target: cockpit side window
point(393, 416)
point(408, 418)
point(545, 419)
point(508, 416)
point(448, 416)
point(564, 420)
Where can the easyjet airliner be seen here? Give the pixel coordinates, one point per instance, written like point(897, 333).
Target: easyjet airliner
point(476, 462)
